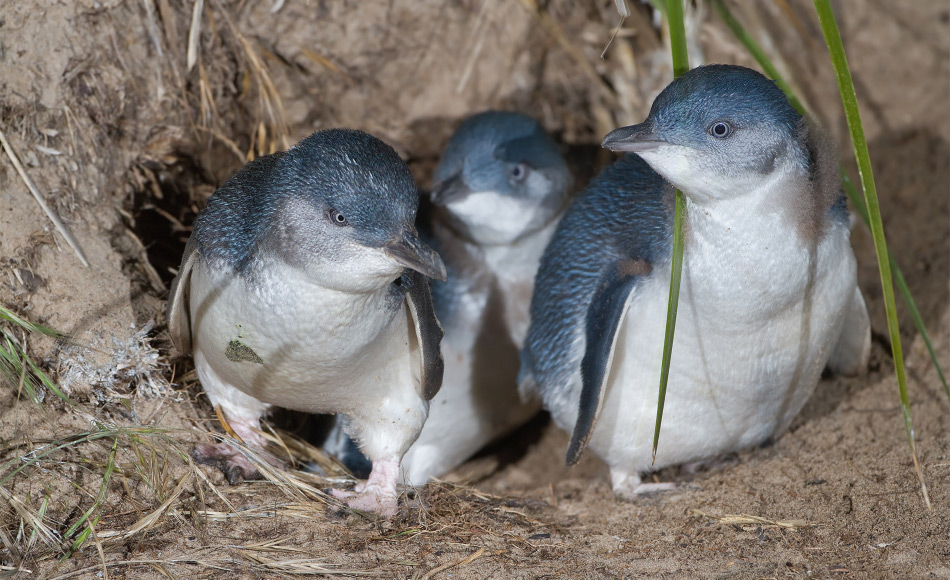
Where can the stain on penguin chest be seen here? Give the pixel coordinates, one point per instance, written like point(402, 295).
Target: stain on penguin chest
point(237, 351)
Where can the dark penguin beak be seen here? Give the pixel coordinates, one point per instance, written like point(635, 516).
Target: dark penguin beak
point(452, 189)
point(633, 139)
point(415, 255)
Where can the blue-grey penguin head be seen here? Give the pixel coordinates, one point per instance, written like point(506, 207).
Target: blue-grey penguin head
point(501, 177)
point(716, 131)
point(347, 211)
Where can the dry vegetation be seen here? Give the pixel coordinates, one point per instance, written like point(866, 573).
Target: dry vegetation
point(125, 114)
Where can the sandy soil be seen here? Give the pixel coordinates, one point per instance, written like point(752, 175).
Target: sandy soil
point(126, 142)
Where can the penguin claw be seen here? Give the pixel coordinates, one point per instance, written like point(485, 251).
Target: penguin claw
point(377, 494)
point(373, 500)
point(234, 465)
point(628, 485)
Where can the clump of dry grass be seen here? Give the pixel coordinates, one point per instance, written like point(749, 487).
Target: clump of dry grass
point(270, 129)
point(445, 514)
point(66, 487)
point(119, 483)
point(101, 490)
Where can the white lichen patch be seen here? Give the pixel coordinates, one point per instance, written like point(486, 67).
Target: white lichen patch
point(109, 373)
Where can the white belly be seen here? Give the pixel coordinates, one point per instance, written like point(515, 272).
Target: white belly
point(479, 400)
point(300, 346)
point(755, 329)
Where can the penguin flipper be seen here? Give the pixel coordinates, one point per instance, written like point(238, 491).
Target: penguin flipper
point(850, 355)
point(176, 311)
point(428, 332)
point(604, 318)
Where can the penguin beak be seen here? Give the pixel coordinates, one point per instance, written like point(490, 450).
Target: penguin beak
point(633, 139)
point(452, 189)
point(410, 252)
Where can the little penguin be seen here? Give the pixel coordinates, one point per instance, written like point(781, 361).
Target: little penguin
point(768, 298)
point(303, 286)
point(499, 190)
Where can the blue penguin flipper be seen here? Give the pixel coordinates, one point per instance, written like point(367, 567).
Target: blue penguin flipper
point(429, 334)
point(604, 317)
point(176, 312)
point(428, 331)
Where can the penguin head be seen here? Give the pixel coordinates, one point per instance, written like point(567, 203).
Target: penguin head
point(717, 131)
point(501, 177)
point(345, 212)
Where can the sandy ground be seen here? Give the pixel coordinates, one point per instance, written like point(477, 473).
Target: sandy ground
point(127, 142)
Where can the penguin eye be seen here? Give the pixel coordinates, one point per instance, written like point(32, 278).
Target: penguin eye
point(338, 218)
point(720, 129)
point(518, 172)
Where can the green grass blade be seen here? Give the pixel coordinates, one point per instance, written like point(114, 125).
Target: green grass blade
point(47, 382)
point(14, 370)
point(757, 53)
point(670, 313)
point(853, 115)
point(26, 324)
point(40, 515)
point(103, 489)
point(18, 367)
point(918, 320)
point(856, 199)
point(674, 16)
point(902, 286)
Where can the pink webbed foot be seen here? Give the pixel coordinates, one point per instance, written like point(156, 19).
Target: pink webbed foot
point(377, 494)
point(226, 457)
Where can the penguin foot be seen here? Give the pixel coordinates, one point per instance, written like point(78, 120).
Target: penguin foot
point(377, 494)
point(629, 486)
point(710, 464)
point(235, 466)
point(376, 501)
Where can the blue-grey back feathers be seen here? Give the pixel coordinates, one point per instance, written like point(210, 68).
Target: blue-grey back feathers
point(625, 214)
point(234, 224)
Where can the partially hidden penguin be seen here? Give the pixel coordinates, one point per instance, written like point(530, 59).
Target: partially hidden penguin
point(769, 294)
point(304, 286)
point(499, 190)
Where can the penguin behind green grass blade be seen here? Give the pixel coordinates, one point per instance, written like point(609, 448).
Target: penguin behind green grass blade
point(303, 286)
point(768, 297)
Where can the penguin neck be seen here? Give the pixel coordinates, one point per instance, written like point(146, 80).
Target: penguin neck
point(748, 254)
point(782, 207)
point(524, 253)
point(514, 266)
point(508, 269)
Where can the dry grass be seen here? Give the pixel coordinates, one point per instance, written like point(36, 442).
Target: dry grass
point(113, 486)
point(116, 484)
point(127, 482)
point(754, 521)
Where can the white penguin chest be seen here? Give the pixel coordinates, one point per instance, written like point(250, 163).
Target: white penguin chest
point(514, 268)
point(289, 342)
point(758, 316)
